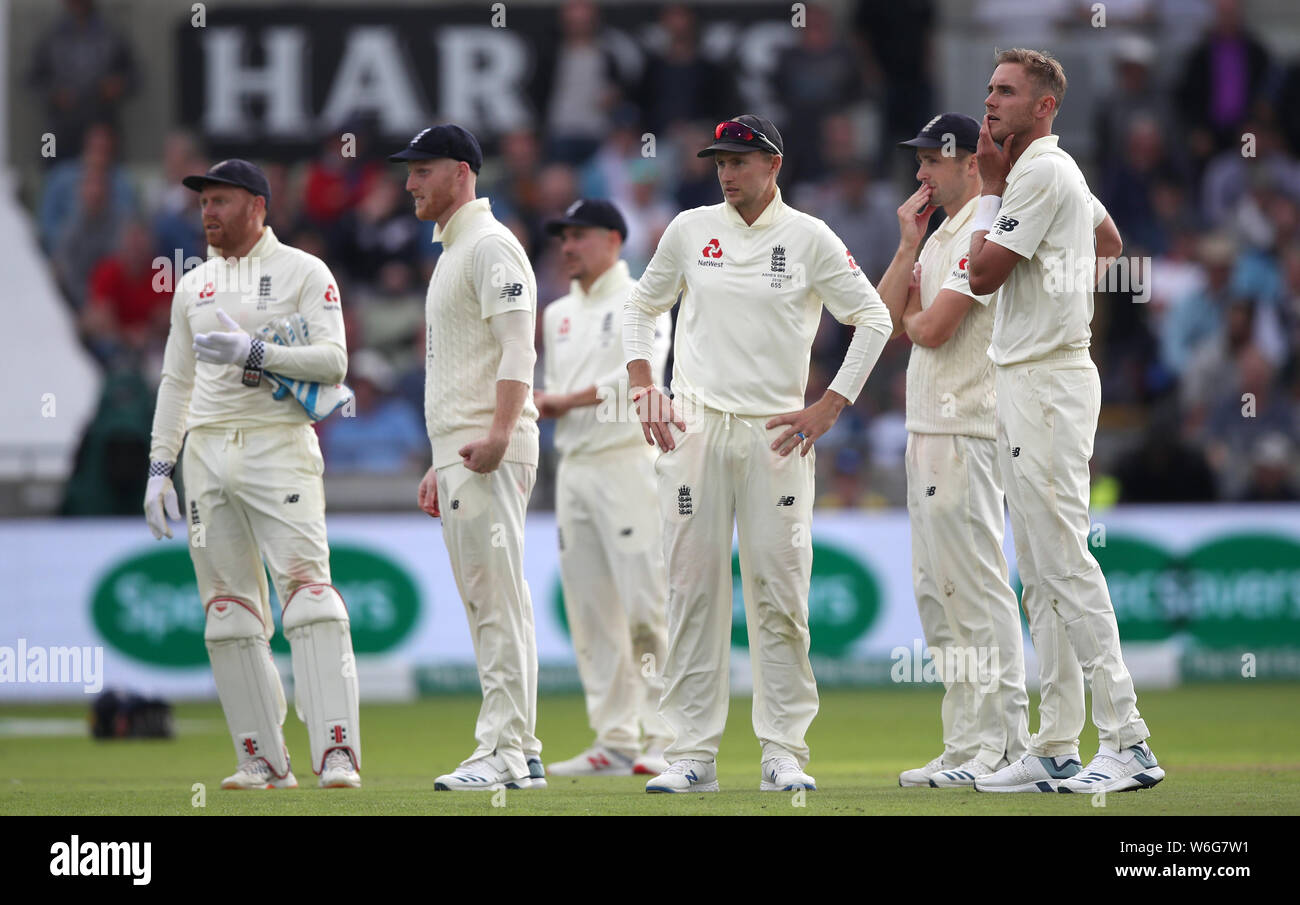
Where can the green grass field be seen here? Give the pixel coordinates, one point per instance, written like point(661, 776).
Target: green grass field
point(1228, 749)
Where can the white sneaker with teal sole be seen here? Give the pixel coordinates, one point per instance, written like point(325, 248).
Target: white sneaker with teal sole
point(782, 774)
point(1117, 771)
point(537, 773)
point(686, 776)
point(919, 777)
point(486, 774)
point(964, 777)
point(1030, 774)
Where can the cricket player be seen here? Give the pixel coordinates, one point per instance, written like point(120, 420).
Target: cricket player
point(969, 614)
point(1034, 225)
point(480, 313)
point(752, 275)
point(611, 542)
point(252, 471)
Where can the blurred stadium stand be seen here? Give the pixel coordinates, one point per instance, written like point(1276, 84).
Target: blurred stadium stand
point(1157, 103)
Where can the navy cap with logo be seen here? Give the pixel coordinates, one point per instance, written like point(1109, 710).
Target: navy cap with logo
point(589, 213)
point(234, 172)
point(446, 140)
point(965, 132)
point(745, 133)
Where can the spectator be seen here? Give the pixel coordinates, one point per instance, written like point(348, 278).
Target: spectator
point(60, 198)
point(1133, 96)
point(1270, 477)
point(128, 308)
point(90, 235)
point(383, 436)
point(1128, 189)
point(177, 223)
point(391, 312)
point(83, 70)
point(582, 86)
point(1242, 417)
point(379, 230)
point(647, 213)
point(819, 76)
point(863, 213)
point(1165, 468)
point(679, 84)
point(335, 183)
point(1223, 78)
point(1197, 316)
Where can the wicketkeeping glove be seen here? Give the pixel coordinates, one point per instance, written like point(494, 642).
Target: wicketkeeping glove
point(160, 501)
point(230, 348)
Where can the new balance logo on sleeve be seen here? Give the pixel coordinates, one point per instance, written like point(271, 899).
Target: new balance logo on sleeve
point(1006, 224)
point(785, 501)
point(511, 290)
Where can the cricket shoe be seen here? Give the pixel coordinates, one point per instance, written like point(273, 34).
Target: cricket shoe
point(1030, 774)
point(537, 773)
point(339, 772)
point(1117, 771)
point(965, 775)
point(782, 774)
point(595, 761)
point(919, 777)
point(650, 763)
point(486, 774)
point(686, 776)
point(256, 773)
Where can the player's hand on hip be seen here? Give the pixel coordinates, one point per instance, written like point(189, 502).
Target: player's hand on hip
point(227, 348)
point(428, 496)
point(483, 456)
point(160, 503)
point(656, 412)
point(914, 216)
point(806, 426)
point(994, 163)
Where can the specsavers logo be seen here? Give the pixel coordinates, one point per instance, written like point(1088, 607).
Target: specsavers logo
point(148, 606)
point(1233, 590)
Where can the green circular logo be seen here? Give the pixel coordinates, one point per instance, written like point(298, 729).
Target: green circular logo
point(147, 606)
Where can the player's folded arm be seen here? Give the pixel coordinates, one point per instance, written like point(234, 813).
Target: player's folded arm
point(1027, 211)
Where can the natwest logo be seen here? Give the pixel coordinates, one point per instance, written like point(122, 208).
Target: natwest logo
point(963, 263)
point(853, 265)
point(713, 249)
point(208, 291)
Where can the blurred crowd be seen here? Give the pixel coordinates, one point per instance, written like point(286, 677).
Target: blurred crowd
point(1199, 354)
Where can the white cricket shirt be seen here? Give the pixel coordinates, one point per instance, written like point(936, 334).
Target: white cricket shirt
point(483, 271)
point(273, 279)
point(1047, 217)
point(950, 387)
point(582, 340)
point(751, 300)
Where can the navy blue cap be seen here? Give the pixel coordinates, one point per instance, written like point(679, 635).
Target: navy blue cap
point(964, 130)
point(234, 172)
point(589, 213)
point(767, 137)
point(447, 140)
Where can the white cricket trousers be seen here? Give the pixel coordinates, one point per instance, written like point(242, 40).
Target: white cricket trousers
point(969, 614)
point(722, 472)
point(255, 492)
point(251, 494)
point(615, 586)
point(1047, 418)
point(483, 527)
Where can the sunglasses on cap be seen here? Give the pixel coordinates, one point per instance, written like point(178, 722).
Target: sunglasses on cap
point(741, 132)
